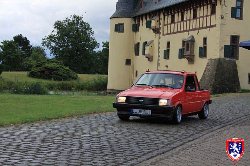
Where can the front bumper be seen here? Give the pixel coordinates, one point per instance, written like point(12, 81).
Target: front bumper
point(156, 111)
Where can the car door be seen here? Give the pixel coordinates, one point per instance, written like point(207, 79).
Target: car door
point(200, 98)
point(191, 98)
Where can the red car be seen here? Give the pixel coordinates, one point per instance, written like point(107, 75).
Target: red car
point(164, 94)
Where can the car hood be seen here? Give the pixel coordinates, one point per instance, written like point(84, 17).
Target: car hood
point(150, 92)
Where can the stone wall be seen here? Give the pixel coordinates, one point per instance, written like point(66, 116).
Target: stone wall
point(221, 76)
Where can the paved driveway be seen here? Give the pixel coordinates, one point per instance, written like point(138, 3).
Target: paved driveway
point(104, 140)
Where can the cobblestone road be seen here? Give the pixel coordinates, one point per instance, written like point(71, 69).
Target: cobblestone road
point(104, 140)
point(208, 150)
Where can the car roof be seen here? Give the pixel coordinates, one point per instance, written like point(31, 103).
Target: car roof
point(171, 72)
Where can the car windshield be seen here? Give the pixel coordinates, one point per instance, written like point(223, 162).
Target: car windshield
point(161, 80)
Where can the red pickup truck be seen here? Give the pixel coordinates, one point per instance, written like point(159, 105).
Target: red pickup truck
point(171, 94)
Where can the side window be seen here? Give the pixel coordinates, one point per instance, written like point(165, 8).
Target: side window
point(198, 84)
point(190, 84)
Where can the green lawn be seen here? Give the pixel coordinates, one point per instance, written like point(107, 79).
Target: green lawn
point(22, 77)
point(16, 109)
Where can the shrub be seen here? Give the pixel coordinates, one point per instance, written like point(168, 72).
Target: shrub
point(28, 88)
point(52, 70)
point(1, 69)
point(97, 84)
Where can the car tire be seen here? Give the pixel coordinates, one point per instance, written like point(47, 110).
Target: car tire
point(177, 116)
point(124, 117)
point(203, 114)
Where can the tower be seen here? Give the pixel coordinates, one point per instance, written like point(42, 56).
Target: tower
point(120, 72)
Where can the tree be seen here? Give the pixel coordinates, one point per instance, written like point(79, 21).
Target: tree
point(72, 42)
point(23, 44)
point(14, 52)
point(102, 58)
point(11, 55)
point(38, 55)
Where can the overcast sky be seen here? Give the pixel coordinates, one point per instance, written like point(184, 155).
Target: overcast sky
point(35, 18)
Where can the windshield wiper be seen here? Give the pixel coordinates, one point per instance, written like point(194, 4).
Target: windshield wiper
point(142, 84)
point(165, 86)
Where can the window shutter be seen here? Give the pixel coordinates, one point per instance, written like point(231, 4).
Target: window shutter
point(137, 49)
point(228, 51)
point(233, 12)
point(116, 27)
point(201, 52)
point(181, 53)
point(135, 28)
point(144, 48)
point(148, 24)
point(122, 28)
point(166, 53)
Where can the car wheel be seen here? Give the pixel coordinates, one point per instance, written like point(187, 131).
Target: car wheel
point(123, 117)
point(177, 116)
point(203, 114)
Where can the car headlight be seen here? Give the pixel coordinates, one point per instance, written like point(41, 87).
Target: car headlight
point(163, 102)
point(121, 99)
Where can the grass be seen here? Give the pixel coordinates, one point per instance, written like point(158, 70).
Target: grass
point(23, 77)
point(17, 82)
point(17, 109)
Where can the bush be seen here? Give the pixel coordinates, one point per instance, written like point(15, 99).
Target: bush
point(28, 88)
point(1, 69)
point(52, 70)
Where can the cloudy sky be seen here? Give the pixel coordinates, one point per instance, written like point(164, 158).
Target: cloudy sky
point(35, 18)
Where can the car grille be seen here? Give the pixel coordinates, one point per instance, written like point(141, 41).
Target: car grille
point(142, 100)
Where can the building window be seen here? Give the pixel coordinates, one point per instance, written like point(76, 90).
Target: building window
point(194, 13)
point(148, 23)
point(137, 49)
point(119, 27)
point(136, 73)
point(203, 50)
point(239, 6)
point(182, 50)
point(237, 12)
point(135, 27)
point(167, 51)
point(128, 62)
point(234, 42)
point(232, 51)
point(213, 9)
point(182, 16)
point(173, 18)
point(189, 49)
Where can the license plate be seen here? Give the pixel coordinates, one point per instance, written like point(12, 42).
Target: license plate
point(141, 112)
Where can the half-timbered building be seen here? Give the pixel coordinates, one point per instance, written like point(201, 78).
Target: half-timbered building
point(199, 36)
